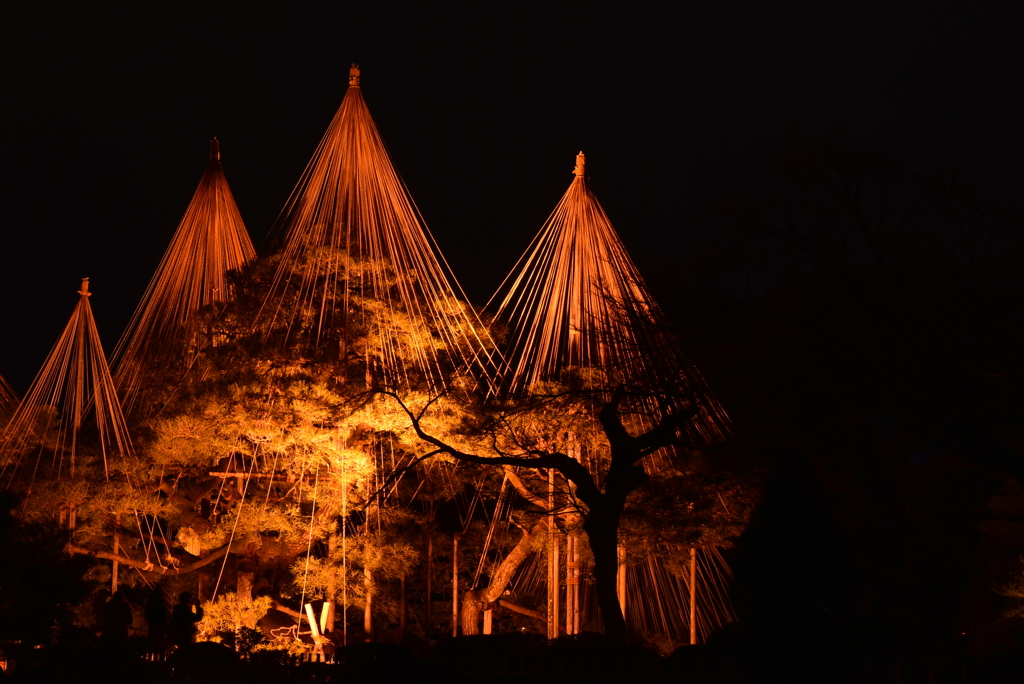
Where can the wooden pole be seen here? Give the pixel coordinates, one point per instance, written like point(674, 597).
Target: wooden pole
point(455, 585)
point(368, 610)
point(312, 622)
point(430, 576)
point(553, 574)
point(572, 586)
point(620, 580)
point(117, 544)
point(693, 596)
point(488, 621)
point(325, 614)
point(404, 618)
point(332, 582)
point(318, 649)
point(556, 575)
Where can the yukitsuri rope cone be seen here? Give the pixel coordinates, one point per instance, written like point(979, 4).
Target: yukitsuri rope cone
point(576, 301)
point(577, 315)
point(360, 278)
point(71, 406)
point(165, 330)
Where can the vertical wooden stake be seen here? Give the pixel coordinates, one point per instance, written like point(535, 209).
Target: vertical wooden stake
point(332, 587)
point(368, 611)
point(332, 583)
point(488, 620)
point(318, 649)
point(404, 618)
point(430, 576)
point(693, 596)
point(312, 622)
point(455, 585)
point(325, 613)
point(556, 575)
point(117, 544)
point(620, 579)
point(572, 586)
point(553, 574)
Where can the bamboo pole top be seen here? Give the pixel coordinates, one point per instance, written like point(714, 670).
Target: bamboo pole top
point(353, 75)
point(580, 163)
point(214, 149)
point(85, 288)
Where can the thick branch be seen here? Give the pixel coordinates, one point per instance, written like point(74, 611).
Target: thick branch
point(234, 546)
point(568, 466)
point(523, 490)
point(505, 603)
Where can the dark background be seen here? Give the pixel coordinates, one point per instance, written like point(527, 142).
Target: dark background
point(107, 112)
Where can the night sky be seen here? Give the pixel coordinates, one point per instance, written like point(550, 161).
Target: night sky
point(107, 116)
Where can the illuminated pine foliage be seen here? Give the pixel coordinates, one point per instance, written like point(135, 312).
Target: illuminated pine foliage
point(166, 330)
point(277, 454)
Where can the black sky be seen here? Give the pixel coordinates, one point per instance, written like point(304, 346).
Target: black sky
point(107, 112)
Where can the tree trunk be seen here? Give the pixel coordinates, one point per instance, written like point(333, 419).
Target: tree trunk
point(474, 603)
point(604, 543)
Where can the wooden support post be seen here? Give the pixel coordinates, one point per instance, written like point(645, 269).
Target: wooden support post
point(620, 579)
point(430, 577)
point(332, 582)
point(455, 585)
point(403, 619)
point(572, 586)
point(117, 544)
point(553, 573)
point(312, 622)
point(368, 610)
point(317, 646)
point(693, 596)
point(325, 614)
point(488, 621)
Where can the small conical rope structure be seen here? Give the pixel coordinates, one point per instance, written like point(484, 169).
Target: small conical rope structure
point(360, 277)
point(210, 241)
point(72, 394)
point(575, 301)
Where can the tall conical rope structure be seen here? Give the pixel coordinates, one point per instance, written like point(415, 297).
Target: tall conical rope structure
point(576, 302)
point(359, 276)
point(577, 313)
point(165, 331)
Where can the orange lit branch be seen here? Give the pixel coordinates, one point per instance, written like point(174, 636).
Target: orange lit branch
point(233, 547)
